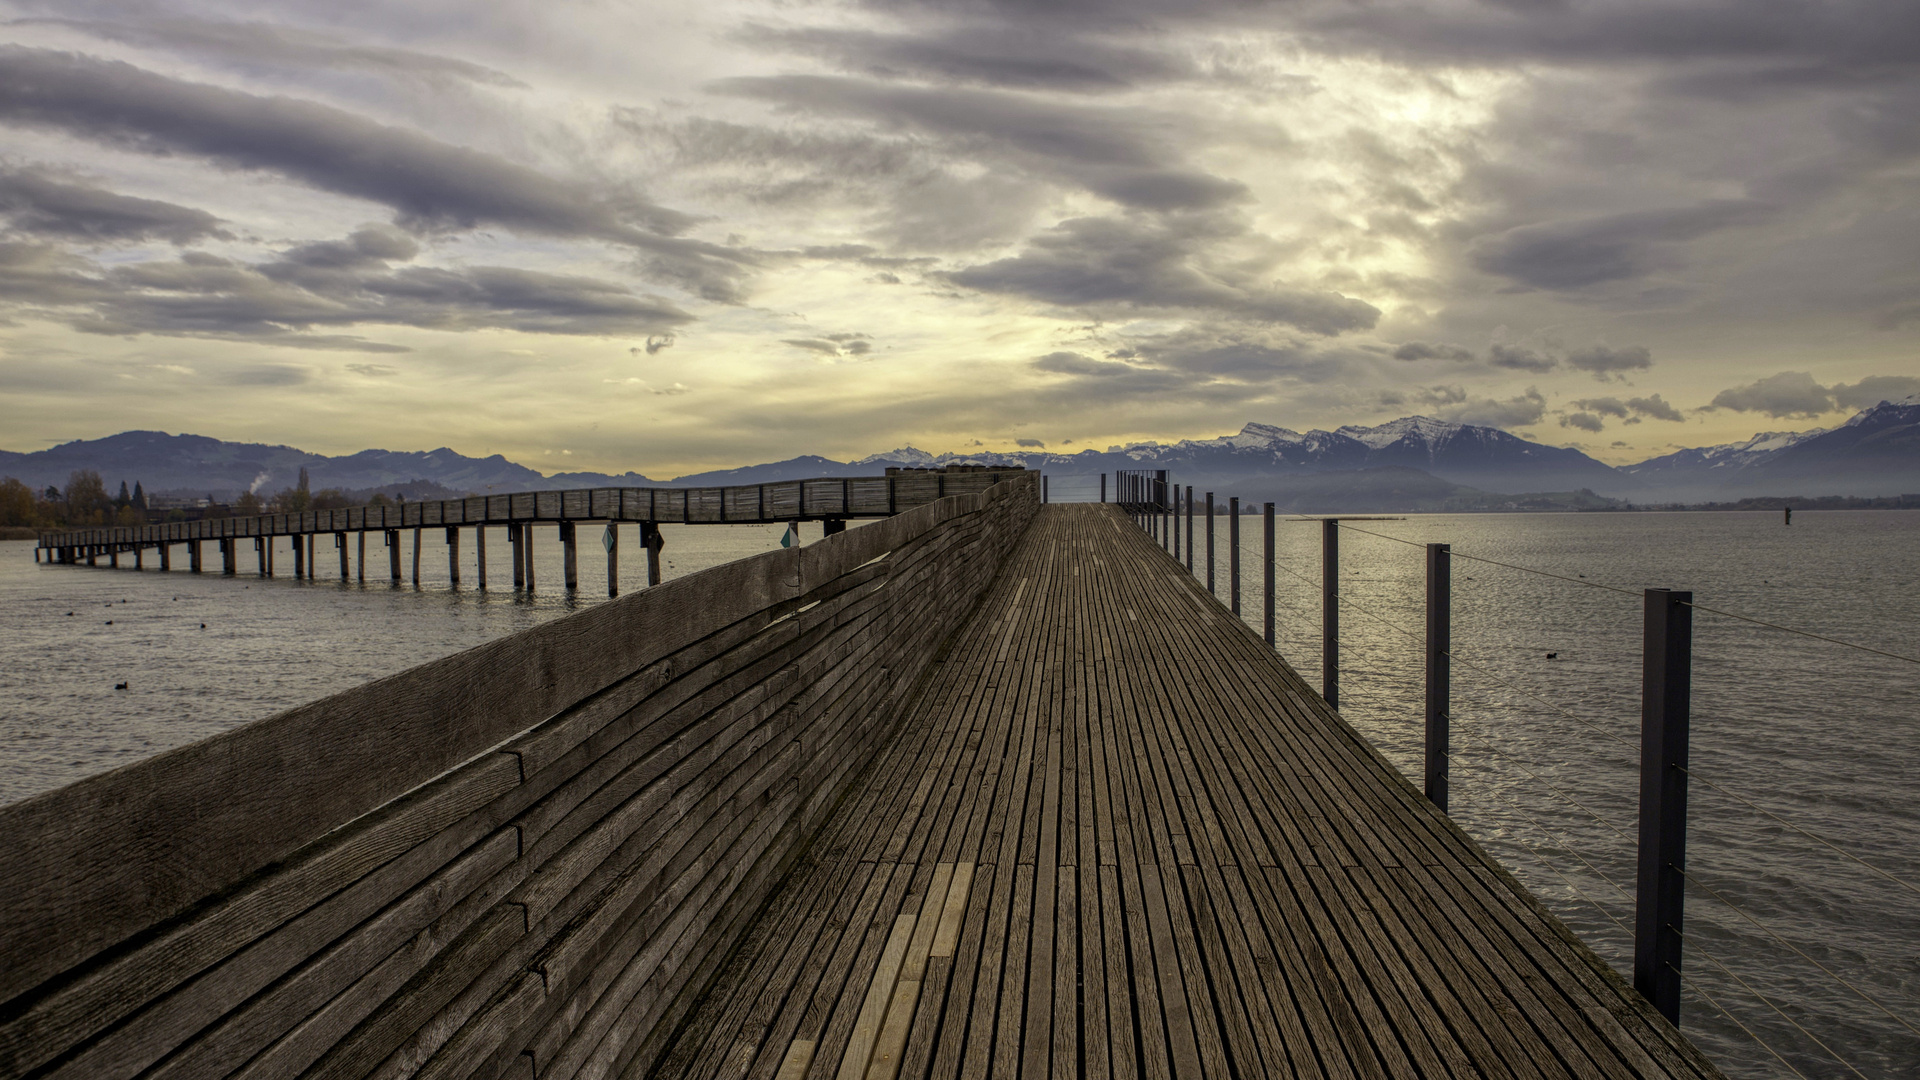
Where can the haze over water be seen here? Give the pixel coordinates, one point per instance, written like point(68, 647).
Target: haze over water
point(1823, 736)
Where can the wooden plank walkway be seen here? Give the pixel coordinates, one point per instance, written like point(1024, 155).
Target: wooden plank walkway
point(1117, 837)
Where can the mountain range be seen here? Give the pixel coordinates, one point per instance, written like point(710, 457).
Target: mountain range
point(1414, 463)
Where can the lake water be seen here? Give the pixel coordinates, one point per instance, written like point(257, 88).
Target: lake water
point(1544, 770)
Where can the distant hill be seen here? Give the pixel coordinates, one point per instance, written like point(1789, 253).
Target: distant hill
point(1413, 463)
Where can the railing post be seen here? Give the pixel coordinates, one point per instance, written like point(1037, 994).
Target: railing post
point(1666, 680)
point(1043, 489)
point(1233, 551)
point(1189, 530)
point(1173, 523)
point(1267, 589)
point(1210, 587)
point(1439, 669)
point(1330, 611)
point(1103, 487)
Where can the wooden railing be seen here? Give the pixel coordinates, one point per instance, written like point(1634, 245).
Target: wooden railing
point(525, 859)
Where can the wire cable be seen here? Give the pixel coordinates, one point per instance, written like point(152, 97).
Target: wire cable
point(1804, 633)
point(1764, 1045)
point(1631, 592)
point(1694, 947)
point(1691, 775)
point(1767, 930)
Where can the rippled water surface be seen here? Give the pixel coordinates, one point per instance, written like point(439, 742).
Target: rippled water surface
point(1797, 744)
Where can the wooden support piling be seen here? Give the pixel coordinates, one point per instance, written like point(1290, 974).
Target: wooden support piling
point(517, 542)
point(416, 557)
point(653, 541)
point(166, 557)
point(1666, 683)
point(299, 558)
point(361, 568)
point(313, 566)
point(526, 551)
point(612, 543)
point(569, 556)
point(453, 556)
point(1439, 670)
point(340, 545)
point(1330, 611)
point(480, 554)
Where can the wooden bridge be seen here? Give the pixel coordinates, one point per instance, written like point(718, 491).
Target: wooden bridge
point(986, 789)
point(834, 501)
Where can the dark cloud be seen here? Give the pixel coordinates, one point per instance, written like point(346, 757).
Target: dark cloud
point(655, 343)
point(1653, 405)
point(1875, 389)
point(1581, 420)
point(1572, 255)
point(1030, 444)
point(429, 184)
point(1149, 262)
point(373, 371)
point(1604, 362)
point(333, 285)
point(1420, 350)
point(39, 203)
point(1789, 394)
point(1605, 407)
point(271, 375)
point(979, 54)
point(1518, 411)
point(834, 344)
point(1122, 154)
point(261, 45)
point(1519, 358)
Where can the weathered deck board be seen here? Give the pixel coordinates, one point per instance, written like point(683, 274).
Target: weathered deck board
point(1181, 862)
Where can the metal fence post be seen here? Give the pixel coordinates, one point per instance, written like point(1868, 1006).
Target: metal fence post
point(1330, 610)
point(1103, 487)
point(1666, 681)
point(1439, 669)
point(1210, 587)
point(1233, 551)
point(1189, 530)
point(1268, 588)
point(1173, 523)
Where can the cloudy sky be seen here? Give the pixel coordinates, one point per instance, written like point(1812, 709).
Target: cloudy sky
point(667, 236)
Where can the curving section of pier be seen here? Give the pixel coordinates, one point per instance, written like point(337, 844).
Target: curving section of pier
point(989, 788)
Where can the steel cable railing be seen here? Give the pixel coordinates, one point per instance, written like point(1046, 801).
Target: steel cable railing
point(1507, 761)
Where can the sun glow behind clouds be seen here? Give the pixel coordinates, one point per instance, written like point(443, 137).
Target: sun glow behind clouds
point(839, 229)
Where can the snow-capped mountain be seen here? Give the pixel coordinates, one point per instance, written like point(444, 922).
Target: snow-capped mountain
point(1876, 452)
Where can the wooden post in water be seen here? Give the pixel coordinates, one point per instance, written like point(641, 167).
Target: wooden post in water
point(166, 557)
point(1666, 684)
point(416, 556)
point(453, 555)
point(526, 551)
point(1330, 611)
point(654, 541)
point(1439, 670)
point(611, 541)
point(1233, 551)
point(1210, 587)
point(1268, 584)
point(570, 554)
point(516, 542)
point(230, 555)
point(139, 557)
point(480, 554)
point(299, 559)
point(113, 556)
point(313, 568)
point(393, 553)
point(360, 568)
point(263, 554)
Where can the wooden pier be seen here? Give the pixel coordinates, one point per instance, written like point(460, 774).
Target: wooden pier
point(833, 501)
point(988, 789)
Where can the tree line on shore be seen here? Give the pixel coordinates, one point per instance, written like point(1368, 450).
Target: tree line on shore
point(85, 502)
